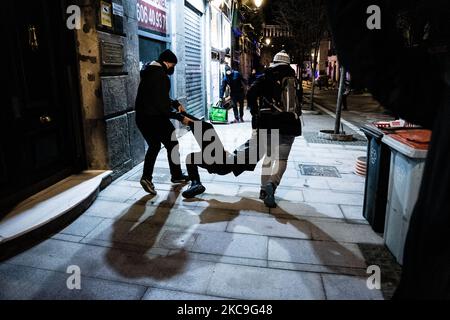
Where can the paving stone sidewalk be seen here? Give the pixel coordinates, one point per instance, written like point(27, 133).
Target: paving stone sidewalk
point(224, 245)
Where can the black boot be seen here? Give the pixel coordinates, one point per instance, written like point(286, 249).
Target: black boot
point(262, 195)
point(269, 201)
point(183, 178)
point(196, 188)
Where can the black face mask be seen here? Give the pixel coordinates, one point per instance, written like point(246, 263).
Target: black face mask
point(171, 71)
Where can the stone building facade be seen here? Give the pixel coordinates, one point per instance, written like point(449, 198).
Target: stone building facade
point(82, 116)
point(77, 109)
point(108, 86)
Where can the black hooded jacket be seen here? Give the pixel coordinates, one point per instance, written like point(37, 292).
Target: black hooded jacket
point(153, 98)
point(236, 83)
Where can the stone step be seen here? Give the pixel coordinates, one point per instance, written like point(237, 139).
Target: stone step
point(73, 194)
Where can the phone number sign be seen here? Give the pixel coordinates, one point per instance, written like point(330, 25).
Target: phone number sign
point(152, 16)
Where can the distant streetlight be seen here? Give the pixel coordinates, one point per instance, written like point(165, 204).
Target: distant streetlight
point(268, 41)
point(258, 3)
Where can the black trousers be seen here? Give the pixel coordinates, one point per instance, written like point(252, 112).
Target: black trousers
point(192, 166)
point(157, 131)
point(244, 158)
point(238, 107)
point(196, 160)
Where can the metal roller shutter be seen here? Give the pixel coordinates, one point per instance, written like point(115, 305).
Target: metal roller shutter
point(194, 72)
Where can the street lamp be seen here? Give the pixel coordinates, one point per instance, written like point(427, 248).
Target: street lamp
point(268, 41)
point(258, 3)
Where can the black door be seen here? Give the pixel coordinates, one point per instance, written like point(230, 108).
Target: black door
point(40, 139)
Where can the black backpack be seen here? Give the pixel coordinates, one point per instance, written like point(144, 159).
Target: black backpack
point(282, 110)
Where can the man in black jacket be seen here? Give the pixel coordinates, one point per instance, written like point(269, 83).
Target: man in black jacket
point(420, 95)
point(234, 80)
point(154, 109)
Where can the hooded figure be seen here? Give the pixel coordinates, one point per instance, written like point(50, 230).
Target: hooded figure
point(234, 80)
point(154, 110)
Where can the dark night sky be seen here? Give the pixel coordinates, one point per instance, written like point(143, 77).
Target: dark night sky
point(268, 10)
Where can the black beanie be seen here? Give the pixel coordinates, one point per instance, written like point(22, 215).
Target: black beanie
point(168, 56)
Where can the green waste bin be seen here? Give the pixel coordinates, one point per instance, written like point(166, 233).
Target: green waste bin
point(377, 179)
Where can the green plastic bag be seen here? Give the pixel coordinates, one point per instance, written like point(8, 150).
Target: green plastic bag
point(218, 114)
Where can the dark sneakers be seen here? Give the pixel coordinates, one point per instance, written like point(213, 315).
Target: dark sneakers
point(269, 201)
point(195, 189)
point(148, 186)
point(181, 179)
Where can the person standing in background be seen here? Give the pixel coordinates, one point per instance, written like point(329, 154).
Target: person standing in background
point(234, 80)
point(252, 77)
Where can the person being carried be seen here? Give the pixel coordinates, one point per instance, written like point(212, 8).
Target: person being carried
point(275, 123)
point(214, 158)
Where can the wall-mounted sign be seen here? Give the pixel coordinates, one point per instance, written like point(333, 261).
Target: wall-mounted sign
point(106, 14)
point(112, 54)
point(152, 16)
point(117, 9)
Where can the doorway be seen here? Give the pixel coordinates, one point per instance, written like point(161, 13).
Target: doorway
point(149, 50)
point(40, 126)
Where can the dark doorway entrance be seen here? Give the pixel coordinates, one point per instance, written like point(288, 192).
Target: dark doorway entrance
point(40, 140)
point(149, 50)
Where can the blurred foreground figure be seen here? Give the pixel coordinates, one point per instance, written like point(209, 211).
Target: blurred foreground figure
point(414, 83)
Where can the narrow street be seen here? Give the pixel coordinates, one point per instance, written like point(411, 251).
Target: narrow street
point(351, 103)
point(224, 244)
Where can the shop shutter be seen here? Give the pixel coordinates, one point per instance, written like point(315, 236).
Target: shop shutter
point(194, 71)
